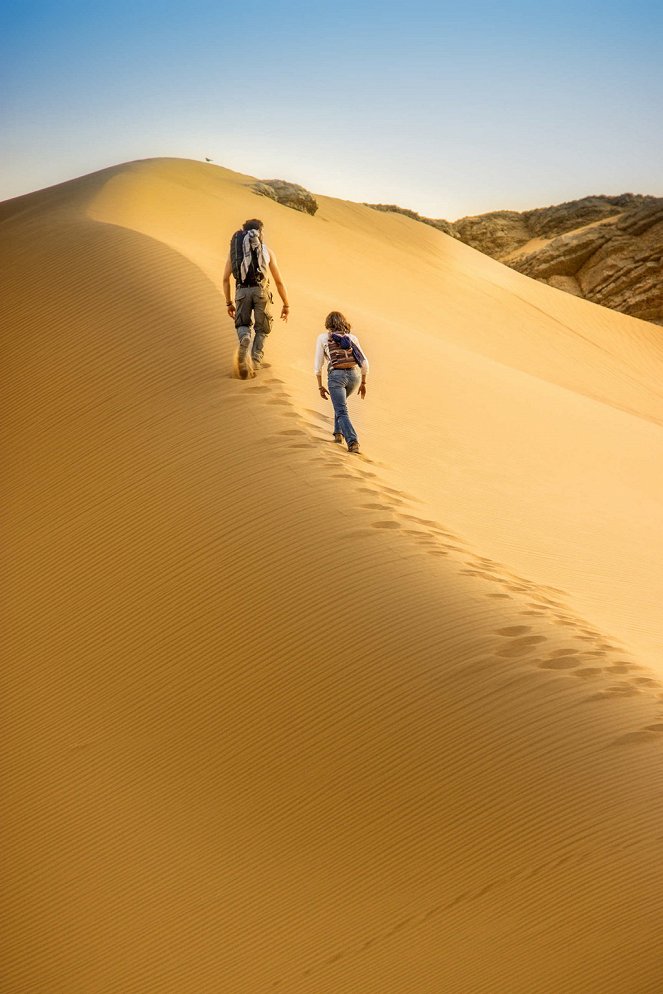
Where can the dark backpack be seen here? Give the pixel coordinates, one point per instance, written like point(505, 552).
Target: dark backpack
point(254, 275)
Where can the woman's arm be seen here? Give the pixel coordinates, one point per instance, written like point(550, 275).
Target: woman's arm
point(317, 366)
point(364, 368)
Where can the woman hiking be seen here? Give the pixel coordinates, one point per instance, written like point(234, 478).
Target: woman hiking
point(347, 369)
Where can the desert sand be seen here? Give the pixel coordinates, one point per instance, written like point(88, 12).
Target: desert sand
point(278, 718)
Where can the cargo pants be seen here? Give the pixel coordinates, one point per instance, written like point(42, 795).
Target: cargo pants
point(254, 302)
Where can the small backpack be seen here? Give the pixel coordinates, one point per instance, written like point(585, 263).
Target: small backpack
point(254, 275)
point(340, 357)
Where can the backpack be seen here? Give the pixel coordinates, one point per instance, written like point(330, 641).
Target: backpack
point(254, 275)
point(341, 357)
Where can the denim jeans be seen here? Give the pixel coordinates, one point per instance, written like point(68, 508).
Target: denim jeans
point(341, 383)
point(254, 301)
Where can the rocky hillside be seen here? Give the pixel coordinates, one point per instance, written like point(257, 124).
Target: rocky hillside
point(606, 249)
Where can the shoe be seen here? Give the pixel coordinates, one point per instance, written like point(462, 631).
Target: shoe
point(338, 438)
point(354, 447)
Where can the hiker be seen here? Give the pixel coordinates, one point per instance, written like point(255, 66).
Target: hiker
point(251, 262)
point(347, 369)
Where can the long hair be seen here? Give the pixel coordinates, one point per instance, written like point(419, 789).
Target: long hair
point(337, 323)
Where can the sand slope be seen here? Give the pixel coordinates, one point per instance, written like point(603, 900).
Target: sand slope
point(283, 719)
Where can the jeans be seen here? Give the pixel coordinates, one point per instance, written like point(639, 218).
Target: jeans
point(341, 383)
point(254, 301)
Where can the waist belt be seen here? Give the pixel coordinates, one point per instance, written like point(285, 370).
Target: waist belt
point(245, 284)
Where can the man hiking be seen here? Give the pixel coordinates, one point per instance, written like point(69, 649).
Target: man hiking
point(250, 262)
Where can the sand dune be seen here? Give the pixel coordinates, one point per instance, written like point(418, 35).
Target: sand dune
point(279, 718)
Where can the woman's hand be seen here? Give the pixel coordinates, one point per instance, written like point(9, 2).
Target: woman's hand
point(323, 392)
point(362, 390)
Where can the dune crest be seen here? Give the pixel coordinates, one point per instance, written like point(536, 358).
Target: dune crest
point(283, 719)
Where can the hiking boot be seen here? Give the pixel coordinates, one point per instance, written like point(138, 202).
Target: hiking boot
point(338, 438)
point(353, 447)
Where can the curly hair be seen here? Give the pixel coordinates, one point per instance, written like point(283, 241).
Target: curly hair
point(337, 323)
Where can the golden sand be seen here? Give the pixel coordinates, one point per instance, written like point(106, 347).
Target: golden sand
point(283, 719)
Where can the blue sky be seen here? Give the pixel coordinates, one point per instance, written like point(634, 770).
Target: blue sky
point(448, 109)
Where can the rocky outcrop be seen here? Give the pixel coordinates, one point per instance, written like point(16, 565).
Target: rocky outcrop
point(618, 263)
point(288, 194)
point(438, 223)
point(549, 222)
point(494, 234)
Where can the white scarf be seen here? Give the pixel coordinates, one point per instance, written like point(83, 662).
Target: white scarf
point(252, 240)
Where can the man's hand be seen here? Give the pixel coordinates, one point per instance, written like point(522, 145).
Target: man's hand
point(362, 391)
point(231, 310)
point(284, 313)
point(323, 393)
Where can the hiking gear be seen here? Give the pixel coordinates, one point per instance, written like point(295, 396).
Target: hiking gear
point(340, 352)
point(343, 352)
point(249, 258)
point(354, 447)
point(321, 355)
point(338, 438)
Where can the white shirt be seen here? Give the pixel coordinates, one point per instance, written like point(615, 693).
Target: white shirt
point(322, 352)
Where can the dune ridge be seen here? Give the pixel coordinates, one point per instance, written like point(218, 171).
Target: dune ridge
point(280, 719)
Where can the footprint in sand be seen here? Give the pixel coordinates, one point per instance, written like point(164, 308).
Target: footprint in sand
point(562, 663)
point(520, 646)
point(513, 630)
point(619, 690)
point(385, 524)
point(633, 738)
point(317, 415)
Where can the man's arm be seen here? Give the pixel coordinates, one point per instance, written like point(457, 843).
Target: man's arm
point(280, 285)
point(226, 287)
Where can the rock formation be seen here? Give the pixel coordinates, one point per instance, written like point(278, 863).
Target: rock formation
point(288, 194)
point(616, 262)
